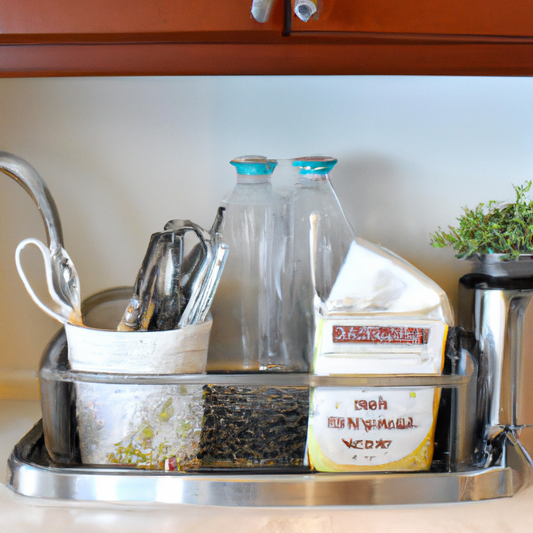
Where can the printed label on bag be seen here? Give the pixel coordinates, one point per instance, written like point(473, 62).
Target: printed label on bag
point(366, 346)
point(380, 334)
point(353, 428)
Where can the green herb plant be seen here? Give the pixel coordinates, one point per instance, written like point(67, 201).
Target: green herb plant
point(497, 229)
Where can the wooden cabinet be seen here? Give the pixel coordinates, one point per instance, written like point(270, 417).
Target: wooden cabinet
point(196, 37)
point(131, 21)
point(423, 18)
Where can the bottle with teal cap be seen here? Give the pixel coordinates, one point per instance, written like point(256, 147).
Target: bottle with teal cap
point(312, 192)
point(364, 310)
point(246, 334)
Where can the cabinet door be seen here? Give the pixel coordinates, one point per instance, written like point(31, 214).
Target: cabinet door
point(206, 37)
point(90, 21)
point(511, 18)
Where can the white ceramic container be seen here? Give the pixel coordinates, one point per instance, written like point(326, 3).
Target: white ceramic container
point(178, 351)
point(154, 426)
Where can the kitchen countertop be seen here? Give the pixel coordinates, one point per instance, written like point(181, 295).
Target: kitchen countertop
point(20, 514)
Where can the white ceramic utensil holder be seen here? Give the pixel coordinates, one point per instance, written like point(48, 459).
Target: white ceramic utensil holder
point(176, 351)
point(154, 426)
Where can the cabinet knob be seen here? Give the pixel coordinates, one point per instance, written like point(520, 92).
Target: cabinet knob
point(305, 9)
point(261, 9)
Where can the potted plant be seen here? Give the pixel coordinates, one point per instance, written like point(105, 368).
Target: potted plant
point(497, 238)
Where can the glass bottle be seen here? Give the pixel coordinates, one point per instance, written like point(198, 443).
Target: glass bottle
point(371, 312)
point(362, 290)
point(246, 334)
point(312, 192)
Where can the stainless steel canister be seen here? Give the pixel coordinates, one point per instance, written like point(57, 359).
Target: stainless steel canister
point(495, 304)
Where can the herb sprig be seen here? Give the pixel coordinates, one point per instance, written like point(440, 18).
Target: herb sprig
point(498, 229)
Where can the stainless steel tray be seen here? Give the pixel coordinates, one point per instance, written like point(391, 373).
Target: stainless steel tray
point(32, 473)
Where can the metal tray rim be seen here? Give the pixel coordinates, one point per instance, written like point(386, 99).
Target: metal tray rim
point(113, 485)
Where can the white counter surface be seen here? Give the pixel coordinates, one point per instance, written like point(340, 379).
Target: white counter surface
point(19, 514)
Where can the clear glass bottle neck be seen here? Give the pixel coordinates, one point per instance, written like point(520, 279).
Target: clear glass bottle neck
point(311, 180)
point(243, 179)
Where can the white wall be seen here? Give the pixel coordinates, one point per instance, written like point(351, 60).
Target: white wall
point(122, 156)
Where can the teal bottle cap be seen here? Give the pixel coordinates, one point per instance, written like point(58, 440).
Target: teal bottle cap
point(254, 165)
point(315, 165)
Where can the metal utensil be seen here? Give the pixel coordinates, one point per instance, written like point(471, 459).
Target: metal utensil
point(201, 283)
point(211, 283)
point(173, 288)
point(156, 296)
point(194, 263)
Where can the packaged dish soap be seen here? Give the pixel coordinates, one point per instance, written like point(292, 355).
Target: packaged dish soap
point(373, 314)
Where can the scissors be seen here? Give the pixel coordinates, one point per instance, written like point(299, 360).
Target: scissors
point(61, 311)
